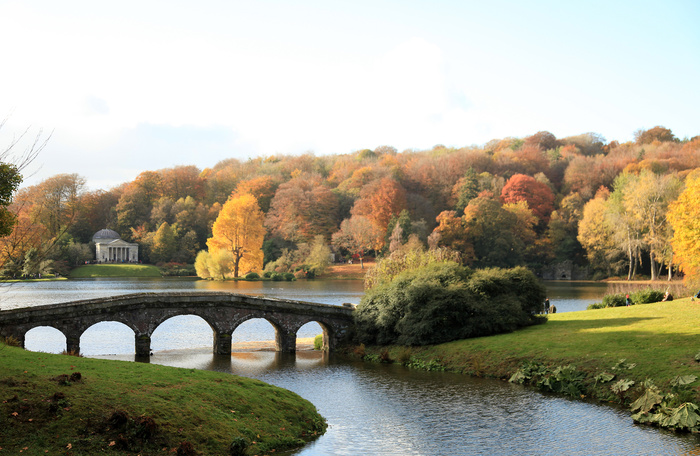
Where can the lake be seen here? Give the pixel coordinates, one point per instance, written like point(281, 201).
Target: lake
point(370, 408)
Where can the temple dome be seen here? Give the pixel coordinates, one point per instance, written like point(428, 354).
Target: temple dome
point(105, 234)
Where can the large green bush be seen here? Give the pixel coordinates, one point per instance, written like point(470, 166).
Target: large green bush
point(445, 301)
point(647, 295)
point(644, 296)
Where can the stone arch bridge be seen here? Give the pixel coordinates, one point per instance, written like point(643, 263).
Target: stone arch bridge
point(144, 312)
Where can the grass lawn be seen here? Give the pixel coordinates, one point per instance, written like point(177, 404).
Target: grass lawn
point(661, 338)
point(115, 270)
point(133, 408)
point(348, 271)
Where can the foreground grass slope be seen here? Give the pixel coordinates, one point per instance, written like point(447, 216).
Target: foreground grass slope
point(57, 404)
point(661, 338)
point(115, 270)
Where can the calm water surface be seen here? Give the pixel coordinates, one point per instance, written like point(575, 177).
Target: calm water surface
point(371, 409)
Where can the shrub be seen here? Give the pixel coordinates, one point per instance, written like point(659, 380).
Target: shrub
point(615, 300)
point(252, 276)
point(444, 301)
point(404, 356)
point(277, 277)
point(597, 305)
point(288, 276)
point(646, 296)
point(11, 341)
point(238, 446)
point(267, 274)
point(318, 342)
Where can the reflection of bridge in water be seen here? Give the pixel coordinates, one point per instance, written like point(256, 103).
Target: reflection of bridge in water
point(144, 312)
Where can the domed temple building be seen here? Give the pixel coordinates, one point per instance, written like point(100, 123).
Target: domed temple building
point(110, 248)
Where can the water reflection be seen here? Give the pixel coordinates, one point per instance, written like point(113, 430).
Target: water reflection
point(373, 408)
point(391, 410)
point(570, 296)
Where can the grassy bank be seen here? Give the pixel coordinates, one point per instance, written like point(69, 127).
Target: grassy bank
point(114, 270)
point(45, 279)
point(57, 404)
point(661, 338)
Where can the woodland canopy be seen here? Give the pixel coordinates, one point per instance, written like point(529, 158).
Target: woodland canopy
point(530, 201)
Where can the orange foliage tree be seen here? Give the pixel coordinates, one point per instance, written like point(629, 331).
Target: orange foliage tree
point(358, 235)
point(379, 201)
point(302, 209)
point(538, 196)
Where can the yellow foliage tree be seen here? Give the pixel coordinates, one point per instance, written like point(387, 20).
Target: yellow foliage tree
point(239, 230)
point(684, 215)
point(596, 235)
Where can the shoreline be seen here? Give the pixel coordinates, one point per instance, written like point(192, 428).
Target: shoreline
point(654, 342)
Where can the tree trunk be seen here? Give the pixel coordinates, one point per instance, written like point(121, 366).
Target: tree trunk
point(236, 260)
point(654, 271)
point(632, 268)
point(670, 270)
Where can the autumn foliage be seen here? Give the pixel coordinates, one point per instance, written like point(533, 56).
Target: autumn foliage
point(239, 231)
point(535, 201)
point(538, 196)
point(684, 215)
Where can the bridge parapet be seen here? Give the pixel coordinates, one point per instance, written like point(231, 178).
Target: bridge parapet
point(144, 312)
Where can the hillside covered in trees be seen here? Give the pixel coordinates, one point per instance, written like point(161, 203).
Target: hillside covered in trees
point(531, 201)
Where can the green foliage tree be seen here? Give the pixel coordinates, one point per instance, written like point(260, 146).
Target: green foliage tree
point(646, 198)
point(10, 178)
point(164, 244)
point(410, 256)
point(491, 231)
point(214, 264)
point(319, 256)
point(466, 189)
point(78, 253)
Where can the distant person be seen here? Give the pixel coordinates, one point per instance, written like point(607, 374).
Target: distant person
point(546, 306)
point(667, 297)
point(696, 295)
point(553, 309)
point(628, 301)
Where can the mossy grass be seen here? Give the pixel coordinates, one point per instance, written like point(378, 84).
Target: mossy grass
point(661, 338)
point(59, 404)
point(115, 270)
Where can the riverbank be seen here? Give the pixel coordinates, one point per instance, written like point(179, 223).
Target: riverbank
point(58, 404)
point(49, 279)
point(661, 339)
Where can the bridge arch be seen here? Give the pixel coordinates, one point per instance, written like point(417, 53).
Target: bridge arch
point(97, 339)
point(44, 338)
point(326, 331)
point(281, 332)
point(170, 332)
point(143, 313)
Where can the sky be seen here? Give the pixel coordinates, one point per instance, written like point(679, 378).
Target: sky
point(124, 87)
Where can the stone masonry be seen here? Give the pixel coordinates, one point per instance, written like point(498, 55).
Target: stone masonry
point(143, 312)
